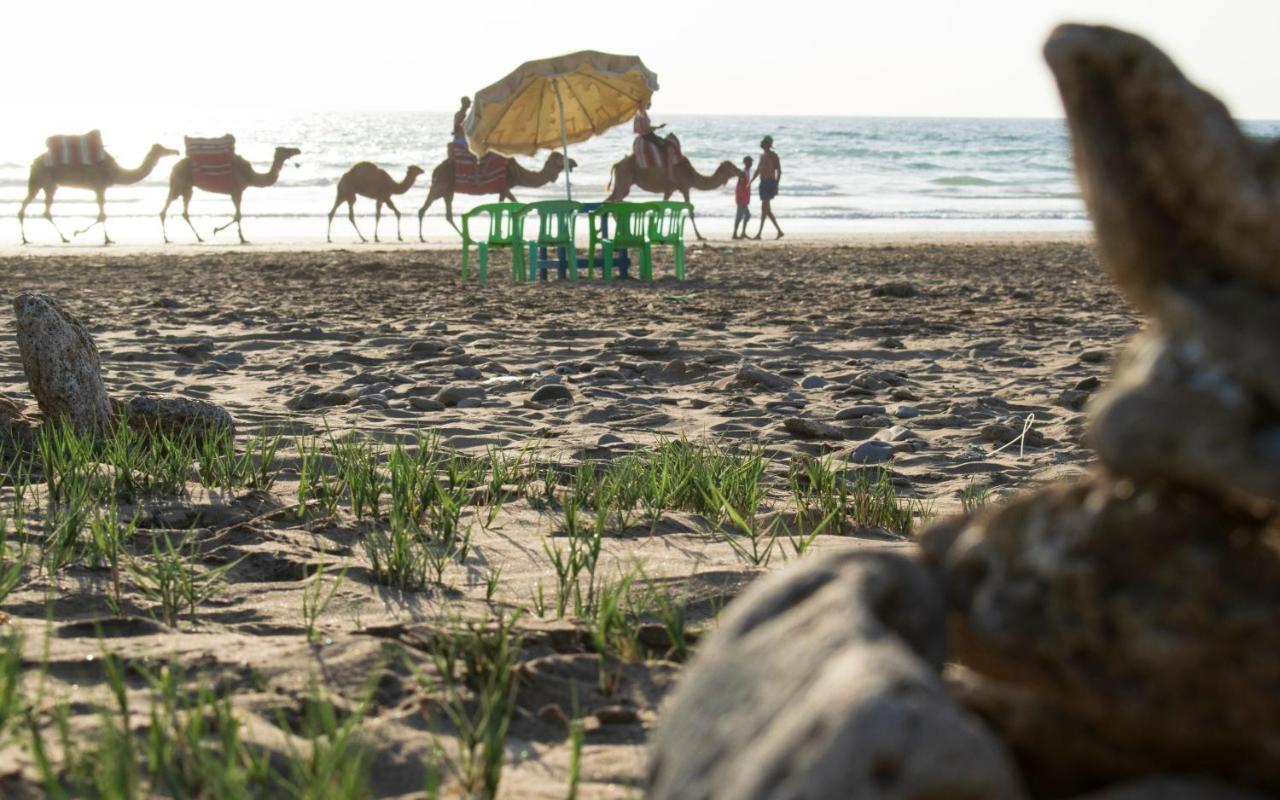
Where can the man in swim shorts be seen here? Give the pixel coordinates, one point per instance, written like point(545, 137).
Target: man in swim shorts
point(770, 173)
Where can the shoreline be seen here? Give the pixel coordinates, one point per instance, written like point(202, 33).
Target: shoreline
point(437, 245)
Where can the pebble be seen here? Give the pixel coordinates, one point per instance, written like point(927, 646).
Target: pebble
point(807, 428)
point(813, 382)
point(752, 375)
point(1087, 384)
point(872, 451)
point(906, 412)
point(426, 404)
point(552, 393)
point(857, 412)
point(469, 402)
point(467, 373)
point(455, 393)
point(1095, 356)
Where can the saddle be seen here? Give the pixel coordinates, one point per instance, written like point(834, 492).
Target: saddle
point(472, 175)
point(75, 151)
point(212, 161)
point(650, 155)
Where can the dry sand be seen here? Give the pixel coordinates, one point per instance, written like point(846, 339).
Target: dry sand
point(956, 343)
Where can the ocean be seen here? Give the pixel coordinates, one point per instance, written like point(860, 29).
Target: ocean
point(840, 175)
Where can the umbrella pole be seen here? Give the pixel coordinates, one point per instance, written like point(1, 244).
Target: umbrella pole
point(564, 142)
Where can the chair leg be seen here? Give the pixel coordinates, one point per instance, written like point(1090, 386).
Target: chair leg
point(572, 253)
point(680, 261)
point(646, 263)
point(533, 261)
point(606, 267)
point(483, 247)
point(466, 266)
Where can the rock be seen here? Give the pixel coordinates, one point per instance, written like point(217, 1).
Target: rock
point(426, 347)
point(426, 404)
point(233, 358)
point(608, 440)
point(61, 363)
point(645, 347)
point(863, 713)
point(890, 343)
point(902, 393)
point(1073, 399)
point(872, 451)
point(894, 289)
point(470, 402)
point(309, 401)
point(197, 351)
point(906, 412)
point(180, 416)
point(813, 382)
point(1120, 607)
point(1095, 356)
point(552, 393)
point(859, 411)
point(467, 373)
point(1011, 429)
point(808, 428)
point(897, 433)
point(751, 375)
point(455, 393)
point(1087, 384)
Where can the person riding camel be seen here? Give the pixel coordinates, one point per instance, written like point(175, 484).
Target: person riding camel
point(459, 137)
point(646, 131)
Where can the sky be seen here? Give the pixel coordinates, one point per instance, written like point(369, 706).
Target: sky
point(840, 57)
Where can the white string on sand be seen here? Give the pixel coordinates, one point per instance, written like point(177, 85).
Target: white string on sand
point(1020, 438)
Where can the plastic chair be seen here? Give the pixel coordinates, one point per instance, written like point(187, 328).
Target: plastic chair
point(629, 232)
point(504, 231)
point(666, 227)
point(557, 220)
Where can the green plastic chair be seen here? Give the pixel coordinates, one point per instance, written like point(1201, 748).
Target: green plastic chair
point(505, 221)
point(666, 228)
point(557, 221)
point(630, 232)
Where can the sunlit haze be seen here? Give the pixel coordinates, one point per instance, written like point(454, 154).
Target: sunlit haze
point(923, 58)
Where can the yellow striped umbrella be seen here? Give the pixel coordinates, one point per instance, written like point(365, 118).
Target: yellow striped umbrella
point(558, 101)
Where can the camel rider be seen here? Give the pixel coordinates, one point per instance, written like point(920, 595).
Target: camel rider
point(460, 138)
point(647, 131)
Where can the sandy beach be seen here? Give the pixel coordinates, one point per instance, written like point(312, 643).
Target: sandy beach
point(958, 367)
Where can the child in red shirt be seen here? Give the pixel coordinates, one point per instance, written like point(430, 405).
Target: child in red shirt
point(742, 196)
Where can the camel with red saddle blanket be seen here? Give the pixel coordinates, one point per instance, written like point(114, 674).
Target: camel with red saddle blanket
point(463, 173)
point(654, 177)
point(81, 162)
point(212, 165)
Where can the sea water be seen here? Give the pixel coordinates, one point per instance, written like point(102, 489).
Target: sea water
point(840, 175)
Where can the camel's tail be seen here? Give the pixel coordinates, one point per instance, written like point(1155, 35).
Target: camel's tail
point(608, 187)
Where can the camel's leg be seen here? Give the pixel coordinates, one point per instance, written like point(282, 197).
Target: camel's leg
point(392, 206)
point(328, 233)
point(101, 220)
point(351, 215)
point(433, 195)
point(448, 213)
point(22, 211)
point(186, 214)
point(239, 230)
point(48, 213)
point(163, 212)
point(377, 218)
point(692, 220)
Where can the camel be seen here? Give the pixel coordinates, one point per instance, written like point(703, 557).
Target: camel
point(98, 177)
point(442, 183)
point(181, 184)
point(626, 174)
point(368, 180)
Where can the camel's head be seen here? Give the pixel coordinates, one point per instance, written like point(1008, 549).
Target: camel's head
point(728, 169)
point(415, 171)
point(160, 151)
point(283, 154)
point(556, 161)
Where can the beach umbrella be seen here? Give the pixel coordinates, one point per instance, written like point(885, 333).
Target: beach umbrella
point(556, 102)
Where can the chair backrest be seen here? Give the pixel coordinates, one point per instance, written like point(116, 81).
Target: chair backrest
point(556, 219)
point(629, 220)
point(666, 221)
point(504, 223)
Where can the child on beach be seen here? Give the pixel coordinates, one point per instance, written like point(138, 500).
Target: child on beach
point(742, 195)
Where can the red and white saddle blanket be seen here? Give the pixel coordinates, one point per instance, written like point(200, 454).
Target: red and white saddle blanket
point(75, 151)
point(650, 155)
point(473, 175)
point(211, 160)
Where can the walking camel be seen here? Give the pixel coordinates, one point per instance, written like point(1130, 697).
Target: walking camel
point(182, 181)
point(47, 177)
point(443, 183)
point(369, 180)
point(627, 174)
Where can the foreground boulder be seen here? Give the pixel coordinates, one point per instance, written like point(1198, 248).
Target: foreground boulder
point(1115, 638)
point(61, 363)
